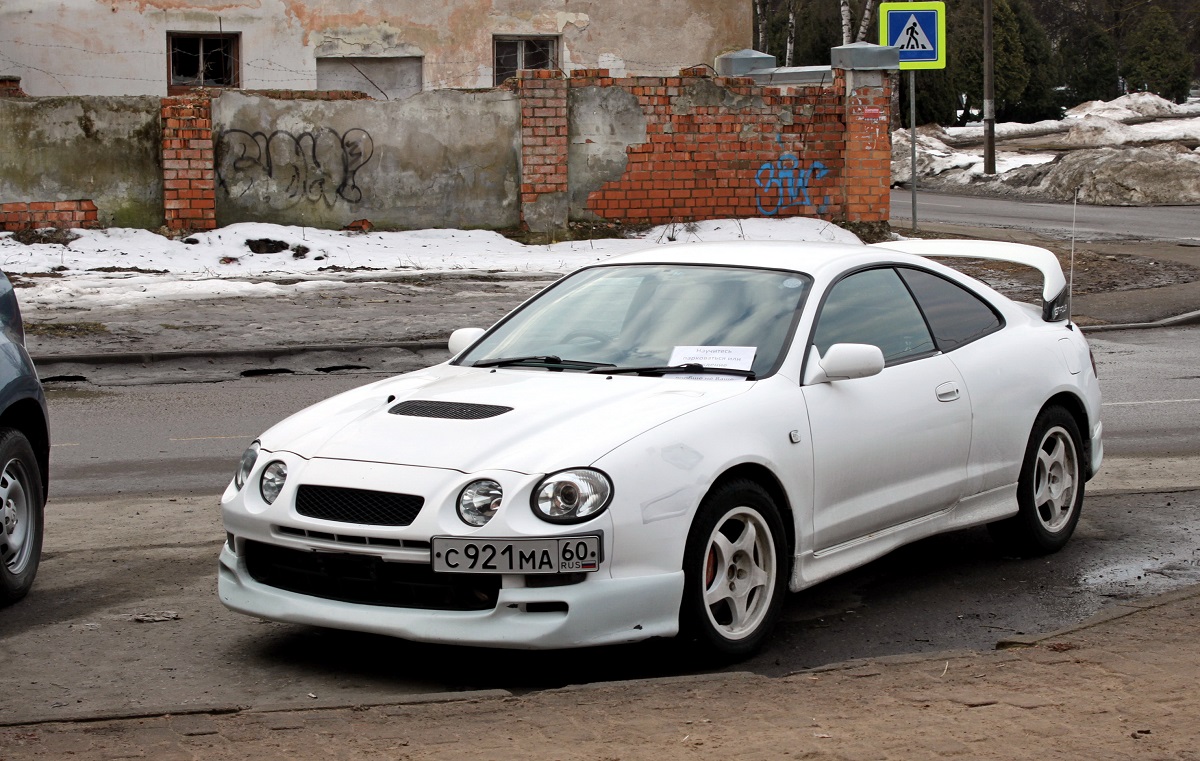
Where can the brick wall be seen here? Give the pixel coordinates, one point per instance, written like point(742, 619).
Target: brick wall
point(31, 215)
point(189, 175)
point(746, 151)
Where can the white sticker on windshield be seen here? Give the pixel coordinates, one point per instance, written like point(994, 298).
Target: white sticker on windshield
point(722, 357)
point(792, 282)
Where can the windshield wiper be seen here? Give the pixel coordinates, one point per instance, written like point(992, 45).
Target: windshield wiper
point(690, 367)
point(548, 360)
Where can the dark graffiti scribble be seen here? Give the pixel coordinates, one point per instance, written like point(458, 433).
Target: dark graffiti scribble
point(283, 168)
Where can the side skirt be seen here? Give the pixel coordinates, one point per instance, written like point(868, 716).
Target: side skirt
point(814, 567)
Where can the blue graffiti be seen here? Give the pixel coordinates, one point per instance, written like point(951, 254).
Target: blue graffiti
point(783, 184)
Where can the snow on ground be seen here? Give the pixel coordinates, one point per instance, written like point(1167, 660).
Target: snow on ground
point(120, 267)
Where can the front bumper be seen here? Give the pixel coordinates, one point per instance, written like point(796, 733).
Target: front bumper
point(599, 611)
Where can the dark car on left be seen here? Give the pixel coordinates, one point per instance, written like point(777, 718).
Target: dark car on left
point(24, 455)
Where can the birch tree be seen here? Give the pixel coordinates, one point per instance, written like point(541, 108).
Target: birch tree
point(864, 27)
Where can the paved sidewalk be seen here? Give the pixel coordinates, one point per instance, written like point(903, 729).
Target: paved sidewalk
point(1122, 685)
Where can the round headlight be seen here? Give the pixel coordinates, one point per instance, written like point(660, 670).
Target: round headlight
point(249, 457)
point(479, 502)
point(572, 496)
point(272, 481)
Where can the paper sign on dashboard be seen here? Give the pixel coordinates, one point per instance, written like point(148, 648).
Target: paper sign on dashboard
point(723, 357)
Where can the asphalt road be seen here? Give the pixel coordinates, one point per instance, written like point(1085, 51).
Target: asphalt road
point(125, 613)
point(1174, 223)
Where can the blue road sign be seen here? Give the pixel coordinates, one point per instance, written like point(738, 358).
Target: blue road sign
point(918, 29)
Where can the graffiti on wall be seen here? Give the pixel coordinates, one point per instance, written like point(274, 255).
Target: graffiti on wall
point(285, 169)
point(784, 184)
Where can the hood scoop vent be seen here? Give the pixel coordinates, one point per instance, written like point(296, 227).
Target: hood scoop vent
point(448, 410)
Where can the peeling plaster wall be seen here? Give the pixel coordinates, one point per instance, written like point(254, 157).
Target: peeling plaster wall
point(103, 149)
point(118, 47)
point(438, 159)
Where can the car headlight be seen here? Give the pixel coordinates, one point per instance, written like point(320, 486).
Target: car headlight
point(479, 502)
point(249, 457)
point(272, 481)
point(572, 496)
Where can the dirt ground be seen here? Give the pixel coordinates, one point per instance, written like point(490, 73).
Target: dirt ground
point(1123, 687)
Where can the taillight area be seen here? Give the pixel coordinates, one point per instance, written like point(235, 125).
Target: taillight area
point(1092, 359)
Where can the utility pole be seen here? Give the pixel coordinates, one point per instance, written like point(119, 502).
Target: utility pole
point(989, 94)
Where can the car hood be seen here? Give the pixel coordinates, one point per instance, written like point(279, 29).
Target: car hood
point(540, 421)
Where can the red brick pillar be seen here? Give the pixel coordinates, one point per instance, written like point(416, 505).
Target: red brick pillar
point(188, 161)
point(544, 196)
point(868, 172)
point(10, 87)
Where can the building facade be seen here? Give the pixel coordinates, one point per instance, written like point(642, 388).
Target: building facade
point(389, 49)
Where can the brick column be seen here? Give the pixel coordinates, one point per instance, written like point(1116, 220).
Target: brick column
point(868, 173)
point(188, 161)
point(544, 196)
point(10, 87)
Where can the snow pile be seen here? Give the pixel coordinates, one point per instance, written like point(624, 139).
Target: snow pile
point(119, 267)
point(1133, 150)
point(1132, 106)
point(936, 157)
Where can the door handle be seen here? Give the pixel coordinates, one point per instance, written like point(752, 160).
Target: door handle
point(947, 392)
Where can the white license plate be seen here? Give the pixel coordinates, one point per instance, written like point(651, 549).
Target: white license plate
point(567, 555)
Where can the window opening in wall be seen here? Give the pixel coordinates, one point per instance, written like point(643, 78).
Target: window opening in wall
point(201, 60)
point(515, 53)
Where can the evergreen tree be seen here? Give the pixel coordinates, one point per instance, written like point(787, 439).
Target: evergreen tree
point(1156, 60)
point(1037, 101)
point(1091, 66)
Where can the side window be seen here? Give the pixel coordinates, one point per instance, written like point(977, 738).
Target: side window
point(873, 307)
point(956, 315)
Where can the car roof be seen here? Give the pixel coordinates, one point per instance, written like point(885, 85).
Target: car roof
point(821, 260)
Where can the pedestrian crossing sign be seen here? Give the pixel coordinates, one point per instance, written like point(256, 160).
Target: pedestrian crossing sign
point(918, 29)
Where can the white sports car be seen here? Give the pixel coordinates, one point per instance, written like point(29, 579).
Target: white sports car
point(665, 443)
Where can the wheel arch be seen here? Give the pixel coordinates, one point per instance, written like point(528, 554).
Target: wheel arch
point(27, 416)
point(764, 477)
point(1076, 409)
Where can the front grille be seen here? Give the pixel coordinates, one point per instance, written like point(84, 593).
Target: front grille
point(368, 580)
point(448, 410)
point(373, 508)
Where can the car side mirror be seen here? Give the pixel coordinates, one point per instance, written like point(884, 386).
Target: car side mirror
point(843, 362)
point(462, 339)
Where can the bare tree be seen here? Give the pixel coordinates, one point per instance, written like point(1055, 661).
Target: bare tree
point(760, 9)
point(791, 33)
point(864, 27)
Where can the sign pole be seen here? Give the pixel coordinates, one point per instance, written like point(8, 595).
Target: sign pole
point(912, 140)
point(918, 31)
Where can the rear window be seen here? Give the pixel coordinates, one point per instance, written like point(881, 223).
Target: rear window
point(956, 316)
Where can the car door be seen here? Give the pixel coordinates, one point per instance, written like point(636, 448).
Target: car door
point(893, 447)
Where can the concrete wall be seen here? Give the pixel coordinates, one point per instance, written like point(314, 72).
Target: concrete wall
point(103, 149)
point(438, 159)
point(118, 47)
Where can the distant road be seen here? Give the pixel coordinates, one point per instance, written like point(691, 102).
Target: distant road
point(1142, 222)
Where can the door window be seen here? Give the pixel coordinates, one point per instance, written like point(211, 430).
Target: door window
point(874, 307)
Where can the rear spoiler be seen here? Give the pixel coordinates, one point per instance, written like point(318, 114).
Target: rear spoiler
point(1055, 296)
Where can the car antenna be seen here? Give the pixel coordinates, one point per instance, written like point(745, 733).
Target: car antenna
point(1071, 276)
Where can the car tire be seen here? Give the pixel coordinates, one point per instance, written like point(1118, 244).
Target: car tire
point(21, 516)
point(735, 571)
point(1049, 490)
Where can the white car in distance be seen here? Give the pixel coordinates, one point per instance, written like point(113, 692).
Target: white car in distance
point(665, 443)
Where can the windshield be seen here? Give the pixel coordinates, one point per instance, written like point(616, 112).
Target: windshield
point(648, 315)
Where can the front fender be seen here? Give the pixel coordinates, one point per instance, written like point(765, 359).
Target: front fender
point(660, 476)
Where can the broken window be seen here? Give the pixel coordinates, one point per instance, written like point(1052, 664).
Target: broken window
point(515, 53)
point(201, 60)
